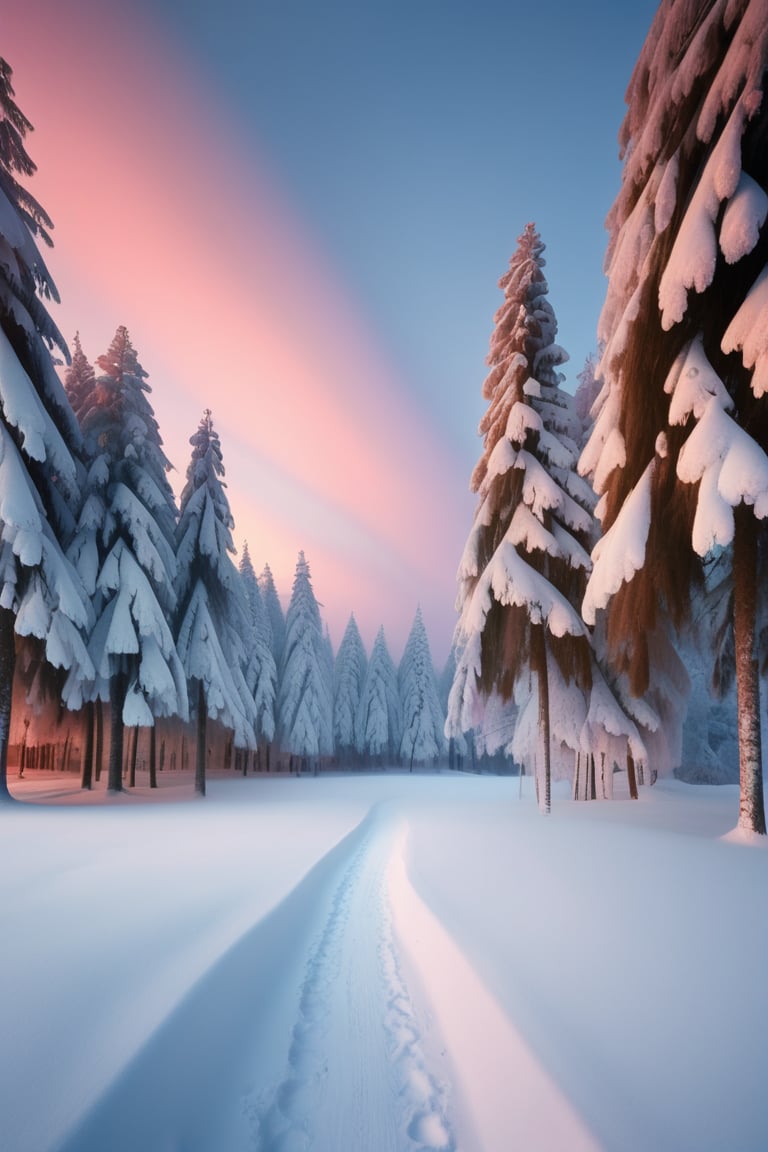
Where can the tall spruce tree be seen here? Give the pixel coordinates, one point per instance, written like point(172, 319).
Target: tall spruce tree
point(123, 551)
point(524, 564)
point(260, 670)
point(379, 724)
point(275, 616)
point(214, 622)
point(678, 452)
point(305, 701)
point(349, 675)
point(423, 717)
point(41, 599)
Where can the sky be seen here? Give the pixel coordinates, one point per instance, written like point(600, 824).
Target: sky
point(301, 212)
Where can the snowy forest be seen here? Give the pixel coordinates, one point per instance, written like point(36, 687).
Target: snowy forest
point(609, 609)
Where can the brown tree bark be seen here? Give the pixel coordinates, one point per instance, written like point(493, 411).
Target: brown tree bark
point(86, 774)
point(631, 776)
point(7, 669)
point(202, 716)
point(751, 803)
point(539, 667)
point(115, 766)
point(153, 756)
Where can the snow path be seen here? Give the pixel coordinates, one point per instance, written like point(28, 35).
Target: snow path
point(303, 1036)
point(356, 1075)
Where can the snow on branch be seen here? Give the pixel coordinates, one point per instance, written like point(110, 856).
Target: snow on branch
point(620, 553)
point(748, 332)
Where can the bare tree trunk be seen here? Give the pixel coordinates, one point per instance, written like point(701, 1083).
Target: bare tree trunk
point(631, 775)
point(751, 804)
point(132, 760)
point(153, 756)
point(99, 738)
point(86, 774)
point(576, 776)
point(539, 666)
point(202, 716)
point(7, 669)
point(115, 768)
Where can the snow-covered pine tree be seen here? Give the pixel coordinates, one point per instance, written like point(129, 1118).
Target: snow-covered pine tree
point(586, 393)
point(524, 563)
point(123, 551)
point(213, 617)
point(423, 717)
point(678, 452)
point(41, 598)
point(379, 724)
point(275, 616)
point(260, 671)
point(349, 674)
point(305, 697)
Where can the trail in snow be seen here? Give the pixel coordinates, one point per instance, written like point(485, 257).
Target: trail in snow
point(356, 1074)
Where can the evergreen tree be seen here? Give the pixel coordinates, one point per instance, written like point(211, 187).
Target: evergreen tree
point(261, 672)
point(349, 675)
point(524, 565)
point(379, 725)
point(678, 452)
point(41, 599)
point(305, 701)
point(214, 621)
point(123, 550)
point(274, 613)
point(79, 379)
point(423, 717)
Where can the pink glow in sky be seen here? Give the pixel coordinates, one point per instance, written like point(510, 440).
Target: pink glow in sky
point(164, 225)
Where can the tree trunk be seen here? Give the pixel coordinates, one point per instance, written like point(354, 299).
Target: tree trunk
point(539, 667)
point(751, 804)
point(153, 756)
point(631, 775)
point(99, 739)
point(132, 760)
point(86, 775)
point(202, 716)
point(576, 776)
point(7, 668)
point(115, 768)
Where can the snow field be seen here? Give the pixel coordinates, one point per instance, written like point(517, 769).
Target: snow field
point(384, 963)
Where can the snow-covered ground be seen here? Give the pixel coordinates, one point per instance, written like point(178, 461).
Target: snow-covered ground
point(383, 963)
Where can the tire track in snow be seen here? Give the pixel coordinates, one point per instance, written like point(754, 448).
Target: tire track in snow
point(356, 1074)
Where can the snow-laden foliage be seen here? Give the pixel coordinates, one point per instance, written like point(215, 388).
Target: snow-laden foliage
point(423, 716)
point(379, 724)
point(349, 674)
point(123, 544)
point(305, 700)
point(39, 439)
point(678, 449)
point(274, 614)
point(213, 617)
point(260, 669)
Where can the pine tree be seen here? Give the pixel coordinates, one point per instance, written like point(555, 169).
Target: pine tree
point(214, 622)
point(305, 701)
point(41, 599)
point(678, 452)
point(274, 613)
point(349, 675)
point(423, 717)
point(261, 672)
point(123, 551)
point(523, 568)
point(379, 724)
